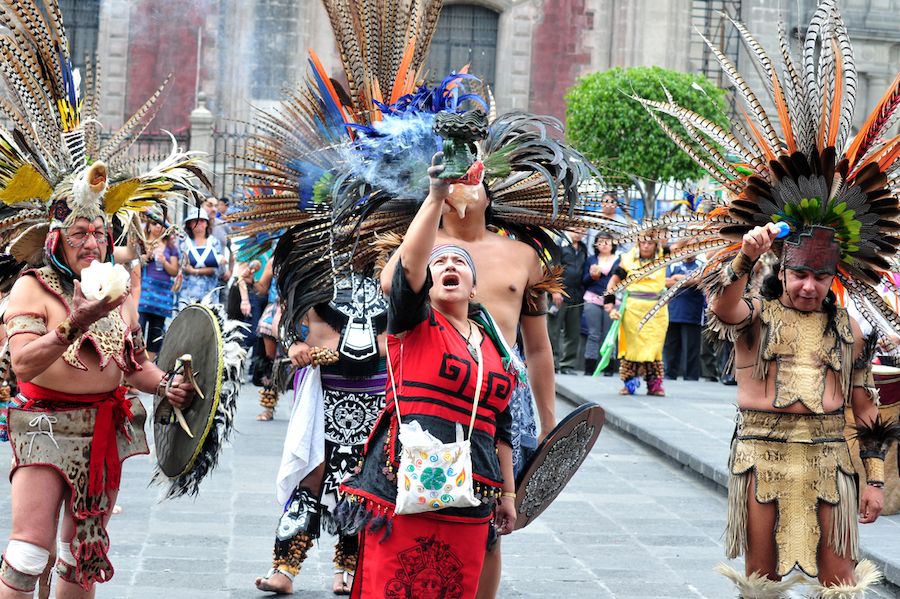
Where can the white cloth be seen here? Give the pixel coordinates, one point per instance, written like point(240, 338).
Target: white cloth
point(304, 444)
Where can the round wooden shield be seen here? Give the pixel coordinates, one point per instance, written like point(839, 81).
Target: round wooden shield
point(194, 331)
point(556, 460)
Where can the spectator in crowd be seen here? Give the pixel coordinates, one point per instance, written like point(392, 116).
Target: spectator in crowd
point(251, 270)
point(565, 312)
point(161, 266)
point(222, 206)
point(597, 271)
point(681, 353)
point(220, 230)
point(203, 259)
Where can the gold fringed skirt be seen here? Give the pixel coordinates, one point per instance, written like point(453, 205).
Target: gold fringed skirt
point(798, 460)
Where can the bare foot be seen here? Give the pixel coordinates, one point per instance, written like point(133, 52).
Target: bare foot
point(277, 583)
point(343, 581)
point(117, 509)
point(266, 415)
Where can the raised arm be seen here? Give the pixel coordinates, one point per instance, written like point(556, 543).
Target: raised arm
point(727, 305)
point(421, 234)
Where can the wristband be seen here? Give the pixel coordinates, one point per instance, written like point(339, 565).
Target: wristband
point(509, 494)
point(874, 467)
point(163, 384)
point(67, 331)
point(609, 298)
point(741, 266)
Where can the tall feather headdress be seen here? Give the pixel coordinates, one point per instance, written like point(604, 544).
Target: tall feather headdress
point(799, 165)
point(53, 168)
point(342, 170)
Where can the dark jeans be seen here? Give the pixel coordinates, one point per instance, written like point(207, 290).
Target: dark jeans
point(682, 350)
point(709, 362)
point(154, 327)
point(258, 303)
point(565, 335)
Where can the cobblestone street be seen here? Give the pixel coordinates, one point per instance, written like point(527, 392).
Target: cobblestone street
point(632, 524)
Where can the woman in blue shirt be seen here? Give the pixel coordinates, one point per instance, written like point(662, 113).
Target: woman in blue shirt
point(203, 257)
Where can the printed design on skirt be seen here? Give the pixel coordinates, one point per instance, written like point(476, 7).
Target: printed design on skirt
point(430, 570)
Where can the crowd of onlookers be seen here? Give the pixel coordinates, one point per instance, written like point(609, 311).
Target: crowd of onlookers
point(579, 323)
point(198, 262)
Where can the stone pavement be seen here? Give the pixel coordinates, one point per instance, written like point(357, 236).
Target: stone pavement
point(631, 525)
point(693, 426)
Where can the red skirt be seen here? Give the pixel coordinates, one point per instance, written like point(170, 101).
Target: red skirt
point(423, 558)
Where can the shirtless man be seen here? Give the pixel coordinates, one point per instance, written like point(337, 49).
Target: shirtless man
point(508, 270)
point(73, 425)
point(352, 384)
point(792, 494)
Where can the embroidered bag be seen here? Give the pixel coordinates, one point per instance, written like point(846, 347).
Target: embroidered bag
point(434, 475)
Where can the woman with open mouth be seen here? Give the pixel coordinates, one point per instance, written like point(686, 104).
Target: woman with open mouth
point(437, 341)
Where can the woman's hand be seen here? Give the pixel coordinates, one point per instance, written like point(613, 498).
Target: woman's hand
point(438, 189)
point(245, 307)
point(505, 515)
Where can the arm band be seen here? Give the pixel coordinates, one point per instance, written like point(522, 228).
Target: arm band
point(874, 467)
point(875, 438)
point(35, 324)
point(609, 298)
point(741, 266)
point(67, 331)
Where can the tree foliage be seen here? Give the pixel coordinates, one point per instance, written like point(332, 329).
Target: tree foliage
point(616, 133)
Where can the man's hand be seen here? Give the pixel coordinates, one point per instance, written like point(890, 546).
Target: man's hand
point(871, 504)
point(505, 515)
point(180, 393)
point(759, 240)
point(557, 299)
point(86, 312)
point(299, 354)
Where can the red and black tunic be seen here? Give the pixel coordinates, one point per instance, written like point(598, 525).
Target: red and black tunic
point(435, 380)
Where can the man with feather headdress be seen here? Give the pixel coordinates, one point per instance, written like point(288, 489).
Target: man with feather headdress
point(72, 340)
point(828, 207)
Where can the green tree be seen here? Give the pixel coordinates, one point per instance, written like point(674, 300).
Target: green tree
point(616, 133)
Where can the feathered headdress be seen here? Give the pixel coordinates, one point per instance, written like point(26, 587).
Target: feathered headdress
point(53, 169)
point(341, 169)
point(837, 194)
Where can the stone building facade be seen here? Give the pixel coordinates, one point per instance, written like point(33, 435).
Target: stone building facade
point(242, 53)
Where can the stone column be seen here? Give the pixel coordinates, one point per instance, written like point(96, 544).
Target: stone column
point(202, 127)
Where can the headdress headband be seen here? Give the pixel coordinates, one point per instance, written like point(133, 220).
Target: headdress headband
point(449, 248)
